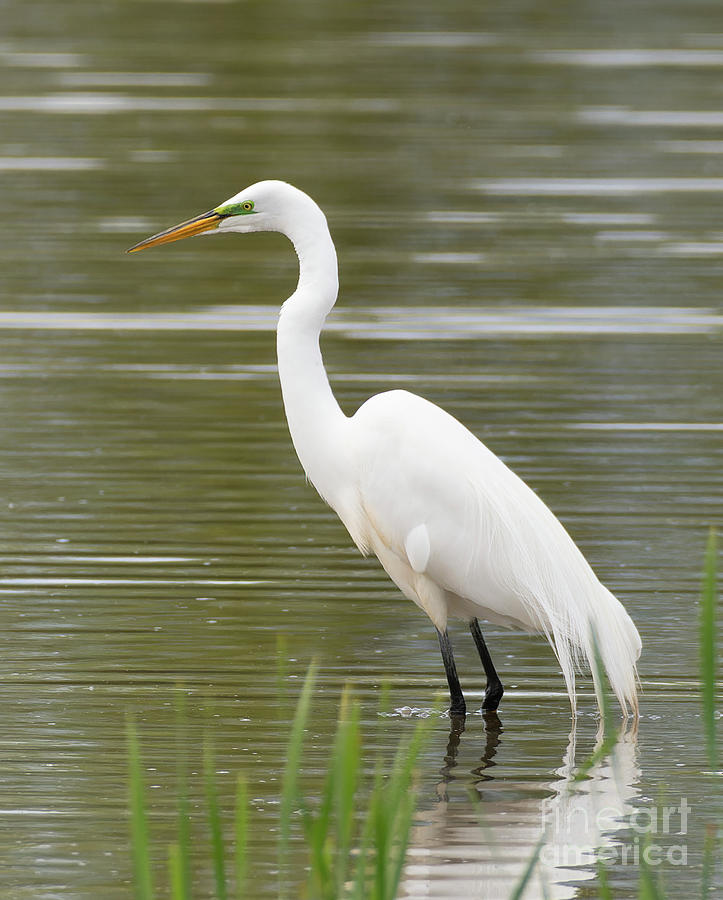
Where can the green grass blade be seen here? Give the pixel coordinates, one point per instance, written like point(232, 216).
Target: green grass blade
point(289, 789)
point(214, 821)
point(316, 830)
point(647, 888)
point(329, 846)
point(402, 834)
point(599, 753)
point(183, 826)
point(363, 869)
point(709, 846)
point(241, 834)
point(607, 713)
point(176, 873)
point(610, 735)
point(347, 763)
point(529, 869)
point(318, 827)
point(404, 799)
point(361, 865)
point(708, 654)
point(602, 876)
point(142, 879)
point(382, 834)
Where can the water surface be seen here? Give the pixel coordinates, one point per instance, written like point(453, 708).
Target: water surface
point(526, 205)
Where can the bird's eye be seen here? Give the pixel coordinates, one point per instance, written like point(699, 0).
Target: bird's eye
point(247, 206)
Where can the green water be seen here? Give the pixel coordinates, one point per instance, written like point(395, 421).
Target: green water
point(529, 234)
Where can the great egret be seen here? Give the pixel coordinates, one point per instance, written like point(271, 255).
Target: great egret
point(456, 530)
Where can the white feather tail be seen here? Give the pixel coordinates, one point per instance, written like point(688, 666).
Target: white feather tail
point(619, 645)
point(562, 597)
point(583, 618)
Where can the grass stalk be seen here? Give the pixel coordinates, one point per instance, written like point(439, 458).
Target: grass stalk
point(347, 765)
point(648, 889)
point(403, 801)
point(290, 781)
point(529, 869)
point(214, 820)
point(176, 873)
point(610, 735)
point(241, 829)
point(183, 821)
point(329, 831)
point(602, 877)
point(708, 656)
point(708, 861)
point(140, 840)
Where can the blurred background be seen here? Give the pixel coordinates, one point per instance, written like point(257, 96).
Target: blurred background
point(525, 199)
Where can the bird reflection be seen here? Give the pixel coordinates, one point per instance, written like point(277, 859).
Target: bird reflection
point(493, 730)
point(450, 757)
point(480, 852)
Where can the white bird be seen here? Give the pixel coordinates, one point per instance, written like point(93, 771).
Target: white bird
point(456, 530)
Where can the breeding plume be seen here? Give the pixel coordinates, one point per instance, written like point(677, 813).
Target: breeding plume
point(456, 530)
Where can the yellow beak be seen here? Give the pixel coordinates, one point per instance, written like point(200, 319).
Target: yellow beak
point(186, 229)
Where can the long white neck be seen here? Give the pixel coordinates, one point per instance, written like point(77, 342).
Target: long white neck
point(315, 419)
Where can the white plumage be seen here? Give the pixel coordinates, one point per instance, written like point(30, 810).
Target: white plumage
point(454, 527)
point(495, 550)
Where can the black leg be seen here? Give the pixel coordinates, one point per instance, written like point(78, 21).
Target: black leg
point(494, 689)
point(457, 705)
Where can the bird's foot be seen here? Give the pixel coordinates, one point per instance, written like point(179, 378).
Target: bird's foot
point(492, 697)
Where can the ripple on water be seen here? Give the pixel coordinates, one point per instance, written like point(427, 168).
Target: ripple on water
point(49, 164)
point(134, 79)
point(647, 118)
point(597, 187)
point(394, 323)
point(90, 103)
point(640, 57)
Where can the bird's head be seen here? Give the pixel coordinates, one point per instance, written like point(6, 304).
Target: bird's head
point(265, 206)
